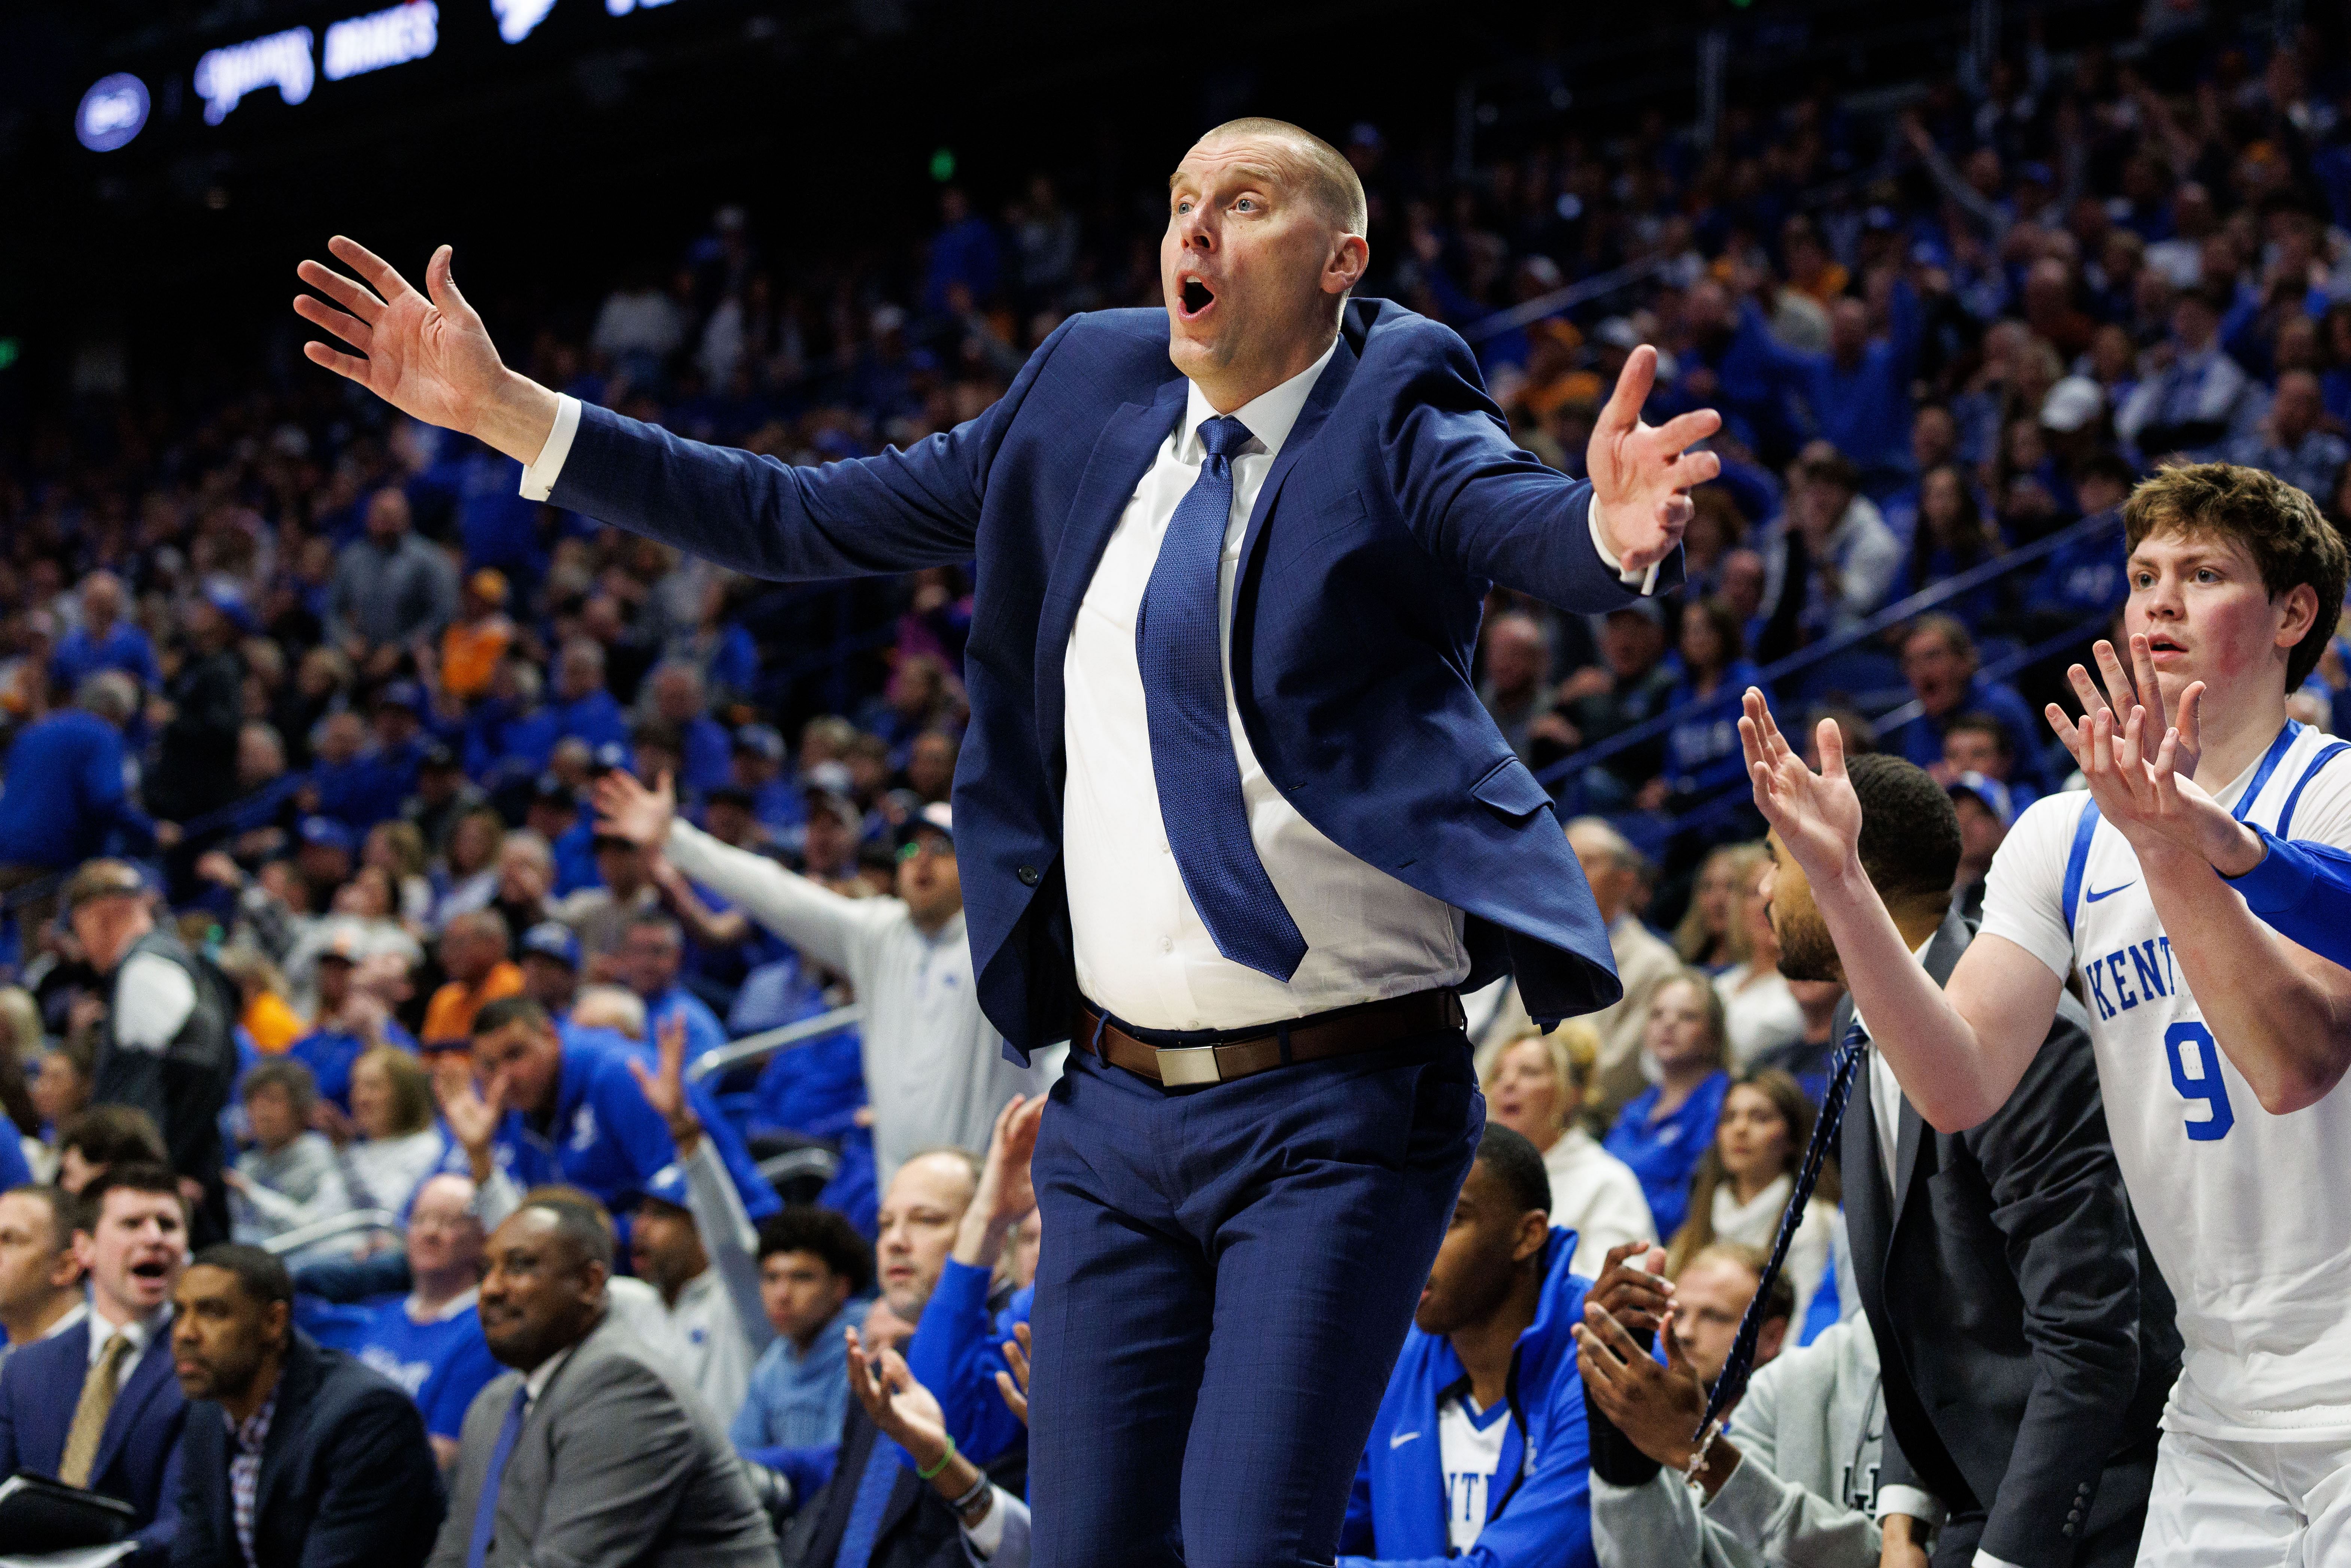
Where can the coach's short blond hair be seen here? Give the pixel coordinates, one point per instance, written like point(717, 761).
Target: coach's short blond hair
point(1330, 180)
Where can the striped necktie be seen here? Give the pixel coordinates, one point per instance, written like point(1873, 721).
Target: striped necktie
point(1741, 1363)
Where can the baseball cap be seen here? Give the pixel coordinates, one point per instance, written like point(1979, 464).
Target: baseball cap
point(762, 739)
point(326, 832)
point(104, 879)
point(838, 806)
point(341, 948)
point(1990, 791)
point(935, 817)
point(833, 778)
point(553, 939)
point(610, 757)
point(231, 603)
point(667, 1186)
point(400, 694)
point(552, 790)
point(2072, 404)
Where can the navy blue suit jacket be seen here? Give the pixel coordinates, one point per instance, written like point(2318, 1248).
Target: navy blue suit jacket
point(347, 1475)
point(138, 1456)
point(1396, 502)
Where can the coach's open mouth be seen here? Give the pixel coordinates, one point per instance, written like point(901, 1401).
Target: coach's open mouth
point(1195, 296)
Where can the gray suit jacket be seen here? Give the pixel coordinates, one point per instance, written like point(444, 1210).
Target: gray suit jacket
point(618, 1462)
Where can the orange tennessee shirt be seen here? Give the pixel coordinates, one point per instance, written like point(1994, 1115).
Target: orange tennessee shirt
point(450, 1014)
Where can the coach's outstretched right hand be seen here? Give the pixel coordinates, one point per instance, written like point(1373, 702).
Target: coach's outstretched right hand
point(429, 358)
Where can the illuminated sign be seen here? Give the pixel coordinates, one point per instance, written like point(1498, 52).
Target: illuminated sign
point(382, 38)
point(281, 60)
point(111, 112)
point(517, 17)
point(623, 7)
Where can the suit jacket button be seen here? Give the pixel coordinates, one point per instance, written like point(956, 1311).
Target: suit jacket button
point(1028, 876)
point(2066, 1530)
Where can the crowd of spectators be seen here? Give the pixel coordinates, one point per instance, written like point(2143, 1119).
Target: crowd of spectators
point(380, 848)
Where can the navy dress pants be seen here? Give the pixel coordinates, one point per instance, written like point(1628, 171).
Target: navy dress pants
point(1227, 1275)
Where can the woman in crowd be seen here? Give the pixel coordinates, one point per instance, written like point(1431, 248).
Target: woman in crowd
point(1702, 751)
point(1536, 1089)
point(1953, 537)
point(394, 1143)
point(1761, 1013)
point(1705, 938)
point(397, 850)
point(471, 879)
point(1664, 1133)
point(1744, 1181)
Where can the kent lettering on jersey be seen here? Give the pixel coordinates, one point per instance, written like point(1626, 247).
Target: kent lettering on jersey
point(2220, 1054)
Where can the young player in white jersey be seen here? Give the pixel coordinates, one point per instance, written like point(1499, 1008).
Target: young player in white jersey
point(2219, 1043)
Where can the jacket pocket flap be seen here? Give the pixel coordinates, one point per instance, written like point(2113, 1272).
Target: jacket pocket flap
point(1511, 790)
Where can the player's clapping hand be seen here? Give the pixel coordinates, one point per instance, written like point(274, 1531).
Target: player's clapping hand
point(1641, 474)
point(1817, 815)
point(2141, 783)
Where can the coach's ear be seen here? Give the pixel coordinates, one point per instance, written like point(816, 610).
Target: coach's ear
point(1351, 255)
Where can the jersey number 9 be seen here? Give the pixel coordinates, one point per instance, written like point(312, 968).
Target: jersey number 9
point(2205, 1083)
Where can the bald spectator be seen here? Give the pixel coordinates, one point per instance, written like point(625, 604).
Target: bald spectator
point(474, 954)
point(1517, 689)
point(104, 640)
point(2290, 443)
point(389, 588)
point(1615, 868)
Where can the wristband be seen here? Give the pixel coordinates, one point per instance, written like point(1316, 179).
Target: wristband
point(932, 1473)
point(972, 1494)
point(1696, 1468)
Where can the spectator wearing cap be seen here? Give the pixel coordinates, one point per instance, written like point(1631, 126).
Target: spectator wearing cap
point(651, 954)
point(935, 1067)
point(573, 1112)
point(550, 966)
point(349, 1021)
point(389, 588)
point(829, 843)
point(584, 709)
point(756, 763)
point(473, 954)
point(349, 1477)
point(103, 640)
point(602, 915)
point(1938, 659)
point(555, 816)
point(677, 699)
point(1986, 813)
point(164, 1046)
point(195, 762)
point(66, 795)
point(444, 796)
point(472, 644)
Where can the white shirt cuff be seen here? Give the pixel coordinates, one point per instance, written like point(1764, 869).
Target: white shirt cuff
point(539, 479)
point(1641, 582)
point(1924, 1506)
point(1986, 1560)
point(988, 1533)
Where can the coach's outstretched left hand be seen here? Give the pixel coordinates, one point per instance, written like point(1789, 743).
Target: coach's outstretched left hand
point(430, 358)
point(1641, 474)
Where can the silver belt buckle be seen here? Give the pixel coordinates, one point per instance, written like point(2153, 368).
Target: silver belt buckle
point(1187, 1066)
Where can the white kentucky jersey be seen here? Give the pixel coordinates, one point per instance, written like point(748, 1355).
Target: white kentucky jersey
point(2248, 1214)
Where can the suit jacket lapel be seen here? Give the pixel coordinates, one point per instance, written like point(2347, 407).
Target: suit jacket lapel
point(1869, 1205)
point(1123, 454)
point(1329, 388)
point(295, 1387)
point(1941, 958)
point(147, 1380)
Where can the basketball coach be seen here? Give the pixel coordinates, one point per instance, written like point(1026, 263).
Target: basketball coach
point(1230, 814)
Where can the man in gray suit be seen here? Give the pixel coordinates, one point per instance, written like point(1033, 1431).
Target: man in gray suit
point(592, 1450)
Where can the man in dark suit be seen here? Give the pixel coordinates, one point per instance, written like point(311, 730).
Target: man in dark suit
point(2024, 1334)
point(293, 1455)
point(1246, 872)
point(96, 1405)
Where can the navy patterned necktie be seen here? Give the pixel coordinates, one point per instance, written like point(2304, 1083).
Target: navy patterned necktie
point(1741, 1362)
point(1177, 645)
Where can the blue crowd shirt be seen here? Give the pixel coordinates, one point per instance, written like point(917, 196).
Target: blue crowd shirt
point(796, 1399)
point(330, 1052)
point(66, 793)
point(441, 1363)
point(1664, 1153)
point(126, 648)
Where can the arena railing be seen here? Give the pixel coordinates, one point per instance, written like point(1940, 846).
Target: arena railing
point(757, 1047)
point(359, 1222)
point(1563, 777)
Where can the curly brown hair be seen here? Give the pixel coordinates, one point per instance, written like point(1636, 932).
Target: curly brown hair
point(2282, 529)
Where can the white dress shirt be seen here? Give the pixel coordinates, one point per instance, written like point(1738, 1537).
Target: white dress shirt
point(1142, 951)
point(143, 1334)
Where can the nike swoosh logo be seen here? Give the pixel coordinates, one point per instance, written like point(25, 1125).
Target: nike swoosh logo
point(2109, 893)
point(1401, 1438)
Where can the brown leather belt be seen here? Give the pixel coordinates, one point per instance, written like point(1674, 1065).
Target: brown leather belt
point(1220, 1058)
